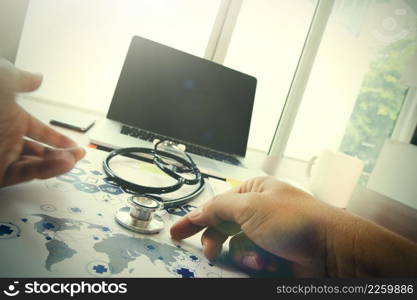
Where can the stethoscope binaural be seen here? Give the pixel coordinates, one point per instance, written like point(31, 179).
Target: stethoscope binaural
point(145, 200)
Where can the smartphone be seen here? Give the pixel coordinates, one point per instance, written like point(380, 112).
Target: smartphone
point(78, 123)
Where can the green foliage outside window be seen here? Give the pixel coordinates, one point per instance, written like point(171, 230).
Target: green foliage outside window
point(378, 105)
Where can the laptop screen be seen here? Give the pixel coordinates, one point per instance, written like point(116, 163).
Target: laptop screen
point(185, 97)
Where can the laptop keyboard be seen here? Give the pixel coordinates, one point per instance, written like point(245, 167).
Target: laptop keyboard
point(148, 136)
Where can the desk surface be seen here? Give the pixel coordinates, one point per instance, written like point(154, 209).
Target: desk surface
point(65, 226)
point(365, 203)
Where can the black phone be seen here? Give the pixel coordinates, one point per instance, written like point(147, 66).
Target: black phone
point(77, 123)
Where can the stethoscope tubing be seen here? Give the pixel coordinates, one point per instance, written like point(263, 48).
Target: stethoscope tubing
point(134, 188)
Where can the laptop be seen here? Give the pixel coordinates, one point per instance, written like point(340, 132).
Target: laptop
point(164, 93)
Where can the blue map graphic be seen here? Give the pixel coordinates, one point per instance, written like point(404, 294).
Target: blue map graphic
point(185, 273)
point(5, 230)
point(8, 230)
point(119, 248)
point(100, 269)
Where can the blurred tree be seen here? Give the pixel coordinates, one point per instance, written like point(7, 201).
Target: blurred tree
point(378, 105)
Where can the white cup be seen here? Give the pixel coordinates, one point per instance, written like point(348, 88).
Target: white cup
point(333, 177)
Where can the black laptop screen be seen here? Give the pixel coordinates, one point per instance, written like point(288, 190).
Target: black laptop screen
point(179, 95)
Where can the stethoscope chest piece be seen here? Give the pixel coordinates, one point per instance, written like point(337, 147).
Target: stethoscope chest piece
point(140, 215)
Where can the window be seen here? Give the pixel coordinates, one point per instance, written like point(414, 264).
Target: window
point(80, 45)
point(355, 92)
point(266, 43)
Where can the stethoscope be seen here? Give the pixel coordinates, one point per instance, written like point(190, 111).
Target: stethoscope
point(139, 214)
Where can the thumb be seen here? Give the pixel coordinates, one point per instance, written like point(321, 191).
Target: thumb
point(26, 81)
point(14, 80)
point(250, 257)
point(245, 253)
point(222, 212)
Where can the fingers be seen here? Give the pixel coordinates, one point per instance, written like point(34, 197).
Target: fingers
point(53, 163)
point(31, 148)
point(184, 228)
point(221, 212)
point(45, 134)
point(223, 208)
point(212, 241)
point(27, 81)
point(244, 253)
point(14, 80)
point(248, 256)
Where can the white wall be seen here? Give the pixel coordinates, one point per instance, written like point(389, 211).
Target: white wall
point(80, 45)
point(12, 16)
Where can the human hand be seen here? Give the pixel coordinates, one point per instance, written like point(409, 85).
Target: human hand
point(276, 227)
point(263, 214)
point(22, 159)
